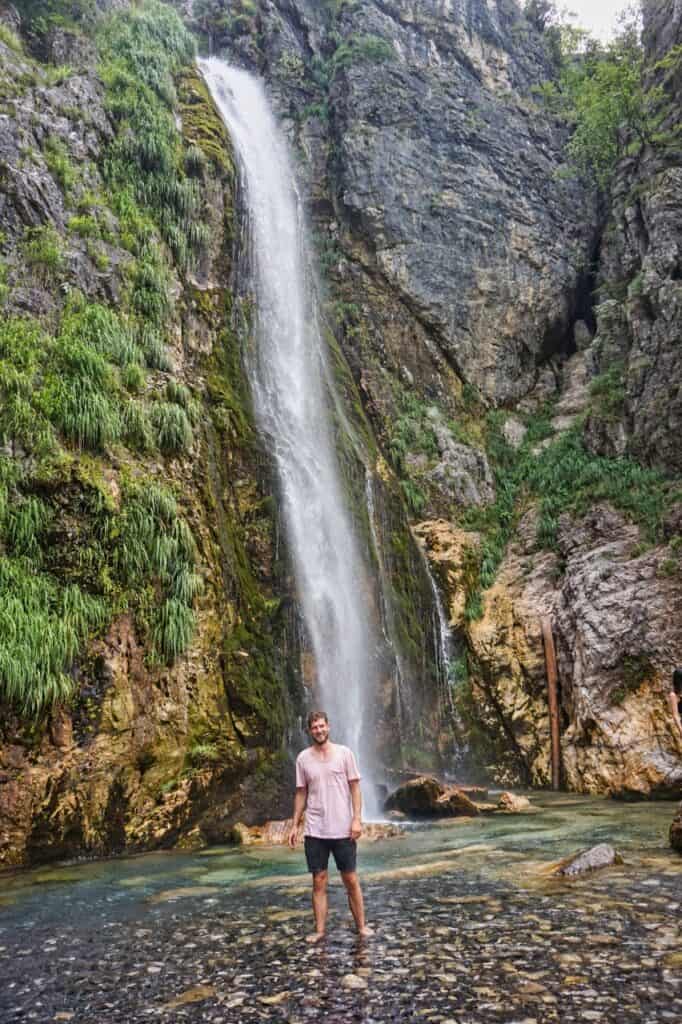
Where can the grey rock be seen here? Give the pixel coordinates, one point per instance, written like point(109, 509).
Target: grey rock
point(600, 856)
point(641, 257)
point(514, 432)
point(463, 472)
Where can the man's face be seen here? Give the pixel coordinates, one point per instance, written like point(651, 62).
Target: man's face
point(319, 730)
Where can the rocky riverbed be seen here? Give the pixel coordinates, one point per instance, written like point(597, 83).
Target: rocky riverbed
point(470, 927)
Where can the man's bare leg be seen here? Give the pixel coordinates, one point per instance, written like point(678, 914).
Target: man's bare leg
point(319, 905)
point(356, 902)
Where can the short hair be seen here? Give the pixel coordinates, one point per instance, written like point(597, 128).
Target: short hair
point(314, 715)
point(677, 680)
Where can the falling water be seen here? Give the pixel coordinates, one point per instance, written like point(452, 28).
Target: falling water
point(286, 370)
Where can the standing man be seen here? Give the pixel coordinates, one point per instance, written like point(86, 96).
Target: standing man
point(328, 790)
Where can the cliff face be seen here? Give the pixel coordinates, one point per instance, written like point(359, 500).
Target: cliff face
point(135, 492)
point(639, 276)
point(535, 461)
point(468, 270)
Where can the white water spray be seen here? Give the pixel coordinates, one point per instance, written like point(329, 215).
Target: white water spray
point(286, 370)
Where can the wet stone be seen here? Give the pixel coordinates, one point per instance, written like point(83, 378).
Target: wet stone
point(455, 946)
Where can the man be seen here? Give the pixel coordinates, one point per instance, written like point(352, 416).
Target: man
point(328, 790)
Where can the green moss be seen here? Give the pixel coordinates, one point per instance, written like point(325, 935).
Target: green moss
point(202, 126)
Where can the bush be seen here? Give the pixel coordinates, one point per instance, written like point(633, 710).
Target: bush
point(85, 415)
point(362, 49)
point(142, 50)
point(155, 544)
point(136, 427)
point(173, 629)
point(59, 163)
point(42, 250)
point(172, 427)
point(41, 629)
point(154, 348)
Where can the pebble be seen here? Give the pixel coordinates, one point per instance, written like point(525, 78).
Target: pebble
point(438, 955)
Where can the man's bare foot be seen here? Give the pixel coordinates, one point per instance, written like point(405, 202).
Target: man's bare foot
point(366, 932)
point(315, 937)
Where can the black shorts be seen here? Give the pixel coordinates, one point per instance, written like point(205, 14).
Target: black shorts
point(317, 853)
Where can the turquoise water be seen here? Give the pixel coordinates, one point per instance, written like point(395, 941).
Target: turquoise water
point(470, 928)
point(560, 825)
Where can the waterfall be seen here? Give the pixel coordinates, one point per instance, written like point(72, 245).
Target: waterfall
point(286, 368)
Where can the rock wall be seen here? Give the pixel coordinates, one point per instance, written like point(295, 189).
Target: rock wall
point(640, 293)
point(614, 610)
point(148, 749)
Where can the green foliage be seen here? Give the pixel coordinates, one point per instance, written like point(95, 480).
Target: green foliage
point(26, 522)
point(59, 162)
point(414, 496)
point(103, 331)
point(563, 477)
point(199, 753)
point(173, 630)
point(133, 378)
point(85, 414)
point(136, 428)
point(411, 432)
point(362, 49)
point(154, 348)
point(142, 49)
point(607, 392)
point(150, 295)
point(11, 39)
point(43, 252)
point(4, 287)
point(84, 225)
point(41, 629)
point(155, 544)
point(600, 93)
point(172, 428)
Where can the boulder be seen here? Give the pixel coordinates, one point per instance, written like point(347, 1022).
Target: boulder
point(426, 797)
point(600, 856)
point(416, 797)
point(513, 803)
point(676, 831)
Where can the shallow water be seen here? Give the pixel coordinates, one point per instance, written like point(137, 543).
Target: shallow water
point(469, 928)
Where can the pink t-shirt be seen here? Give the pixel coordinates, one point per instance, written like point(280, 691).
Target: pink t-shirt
point(329, 811)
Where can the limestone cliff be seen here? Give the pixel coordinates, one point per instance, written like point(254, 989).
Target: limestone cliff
point(518, 362)
point(141, 582)
point(526, 424)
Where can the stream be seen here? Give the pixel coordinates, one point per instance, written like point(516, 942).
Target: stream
point(470, 928)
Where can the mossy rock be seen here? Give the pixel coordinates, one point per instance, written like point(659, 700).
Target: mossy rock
point(202, 124)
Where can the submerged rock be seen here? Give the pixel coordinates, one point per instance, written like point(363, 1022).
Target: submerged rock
point(513, 803)
point(276, 833)
point(676, 831)
point(600, 856)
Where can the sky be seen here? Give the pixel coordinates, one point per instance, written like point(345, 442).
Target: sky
point(598, 16)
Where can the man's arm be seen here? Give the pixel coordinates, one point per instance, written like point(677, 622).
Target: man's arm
point(672, 701)
point(299, 808)
point(356, 801)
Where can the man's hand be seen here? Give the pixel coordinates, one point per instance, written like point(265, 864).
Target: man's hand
point(293, 836)
point(355, 828)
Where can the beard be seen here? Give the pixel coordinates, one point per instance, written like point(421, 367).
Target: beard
point(320, 740)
